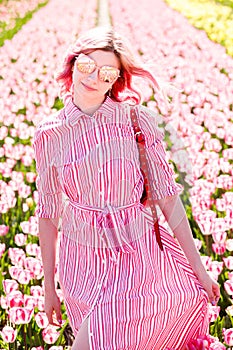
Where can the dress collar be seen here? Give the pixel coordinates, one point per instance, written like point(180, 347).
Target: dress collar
point(73, 113)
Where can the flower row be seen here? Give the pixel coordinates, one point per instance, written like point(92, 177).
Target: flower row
point(29, 93)
point(198, 124)
point(215, 19)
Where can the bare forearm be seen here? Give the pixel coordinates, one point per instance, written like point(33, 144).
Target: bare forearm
point(176, 217)
point(48, 241)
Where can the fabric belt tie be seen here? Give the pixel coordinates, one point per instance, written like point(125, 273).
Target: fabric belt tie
point(110, 226)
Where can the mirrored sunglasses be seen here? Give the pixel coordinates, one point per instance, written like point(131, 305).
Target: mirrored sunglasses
point(87, 65)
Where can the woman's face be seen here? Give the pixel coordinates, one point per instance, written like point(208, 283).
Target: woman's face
point(105, 71)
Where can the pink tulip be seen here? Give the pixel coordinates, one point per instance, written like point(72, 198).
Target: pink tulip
point(30, 301)
point(219, 248)
point(228, 336)
point(25, 276)
point(198, 243)
point(228, 286)
point(20, 315)
point(50, 334)
point(225, 166)
point(224, 181)
point(228, 262)
point(24, 191)
point(34, 265)
point(2, 249)
point(219, 237)
point(30, 177)
point(213, 145)
point(227, 153)
point(6, 172)
point(17, 256)
point(3, 132)
point(20, 239)
point(4, 230)
point(41, 320)
point(15, 271)
point(25, 225)
point(220, 204)
point(205, 227)
point(229, 244)
point(3, 302)
point(40, 303)
point(210, 172)
point(30, 226)
point(8, 334)
point(15, 299)
point(229, 202)
point(17, 176)
point(33, 249)
point(216, 267)
point(219, 225)
point(205, 342)
point(213, 312)
point(229, 224)
point(229, 310)
point(9, 286)
point(36, 291)
point(206, 260)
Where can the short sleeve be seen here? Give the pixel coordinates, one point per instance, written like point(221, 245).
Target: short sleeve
point(163, 177)
point(47, 182)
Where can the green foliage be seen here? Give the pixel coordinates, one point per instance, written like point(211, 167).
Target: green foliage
point(58, 104)
point(8, 33)
point(213, 16)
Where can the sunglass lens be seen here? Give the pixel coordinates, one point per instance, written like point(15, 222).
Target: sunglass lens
point(108, 74)
point(85, 65)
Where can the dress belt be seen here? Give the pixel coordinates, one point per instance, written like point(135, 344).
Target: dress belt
point(111, 227)
point(108, 208)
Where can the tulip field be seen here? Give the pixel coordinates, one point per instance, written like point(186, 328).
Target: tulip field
point(195, 70)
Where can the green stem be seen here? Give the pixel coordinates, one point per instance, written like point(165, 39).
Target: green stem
point(24, 336)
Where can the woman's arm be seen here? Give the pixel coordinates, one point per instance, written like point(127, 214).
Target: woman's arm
point(48, 242)
point(176, 217)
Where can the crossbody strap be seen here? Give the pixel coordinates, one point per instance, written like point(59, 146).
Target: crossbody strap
point(145, 168)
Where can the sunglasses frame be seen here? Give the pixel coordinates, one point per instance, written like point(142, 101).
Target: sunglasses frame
point(97, 67)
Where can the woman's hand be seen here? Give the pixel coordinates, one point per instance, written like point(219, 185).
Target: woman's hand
point(53, 308)
point(210, 286)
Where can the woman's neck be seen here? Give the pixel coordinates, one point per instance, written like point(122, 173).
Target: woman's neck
point(88, 107)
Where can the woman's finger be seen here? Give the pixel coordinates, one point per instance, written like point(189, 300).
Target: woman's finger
point(49, 315)
point(57, 310)
point(216, 292)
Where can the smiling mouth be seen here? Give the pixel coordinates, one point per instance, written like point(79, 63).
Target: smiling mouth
point(89, 87)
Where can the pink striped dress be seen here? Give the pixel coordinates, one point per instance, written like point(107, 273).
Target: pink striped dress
point(135, 296)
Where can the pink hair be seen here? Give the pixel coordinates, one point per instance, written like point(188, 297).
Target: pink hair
point(105, 38)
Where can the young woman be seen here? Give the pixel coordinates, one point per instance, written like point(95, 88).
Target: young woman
point(121, 290)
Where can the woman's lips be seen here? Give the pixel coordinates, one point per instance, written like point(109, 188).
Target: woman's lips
point(89, 88)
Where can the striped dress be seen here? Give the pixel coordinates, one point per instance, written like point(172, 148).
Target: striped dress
point(111, 270)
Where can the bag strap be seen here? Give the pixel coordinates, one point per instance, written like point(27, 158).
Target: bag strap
point(145, 168)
